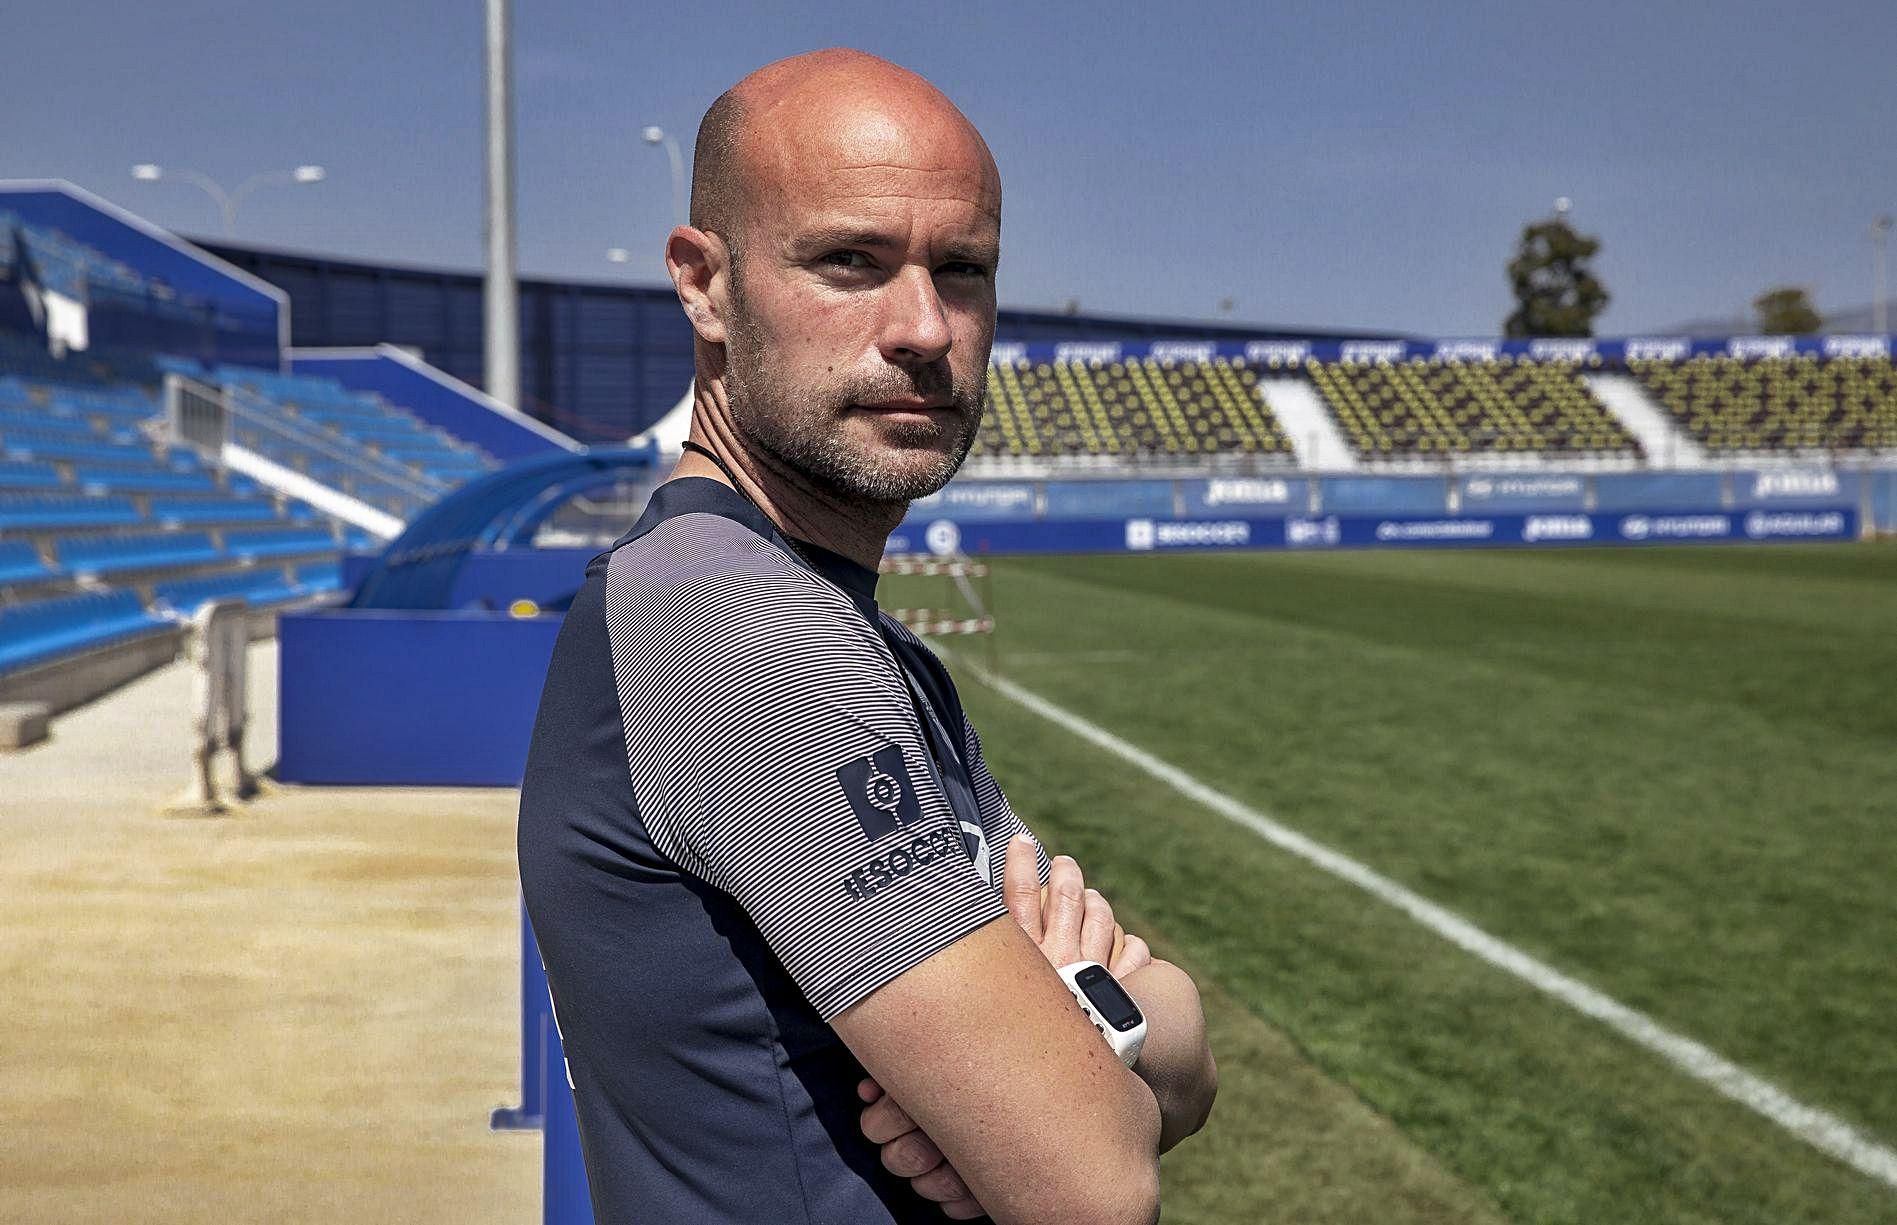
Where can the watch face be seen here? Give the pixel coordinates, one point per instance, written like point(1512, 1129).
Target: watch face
point(1108, 998)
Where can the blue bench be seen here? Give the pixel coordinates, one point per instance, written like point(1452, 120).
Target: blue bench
point(279, 544)
point(257, 587)
point(37, 423)
point(45, 510)
point(112, 554)
point(46, 629)
point(78, 451)
point(20, 563)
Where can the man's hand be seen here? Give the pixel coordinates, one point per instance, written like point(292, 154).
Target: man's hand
point(1067, 920)
point(908, 1153)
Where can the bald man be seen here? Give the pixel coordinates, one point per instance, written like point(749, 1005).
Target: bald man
point(799, 947)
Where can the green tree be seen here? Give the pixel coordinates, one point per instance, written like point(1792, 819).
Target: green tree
point(1786, 311)
point(1556, 291)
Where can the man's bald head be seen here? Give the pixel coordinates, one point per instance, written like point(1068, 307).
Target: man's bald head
point(784, 106)
point(847, 351)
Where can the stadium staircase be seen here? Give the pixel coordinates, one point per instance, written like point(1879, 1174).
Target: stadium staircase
point(1658, 434)
point(353, 454)
point(1314, 433)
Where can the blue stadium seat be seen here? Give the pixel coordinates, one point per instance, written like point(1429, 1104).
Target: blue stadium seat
point(21, 512)
point(20, 563)
point(319, 576)
point(19, 475)
point(43, 630)
point(129, 480)
point(115, 553)
point(279, 543)
point(209, 510)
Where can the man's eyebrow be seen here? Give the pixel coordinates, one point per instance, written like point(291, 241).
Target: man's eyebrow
point(828, 238)
point(985, 254)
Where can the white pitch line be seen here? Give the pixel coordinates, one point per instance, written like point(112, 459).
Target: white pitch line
point(1818, 1128)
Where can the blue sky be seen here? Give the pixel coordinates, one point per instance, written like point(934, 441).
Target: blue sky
point(1329, 164)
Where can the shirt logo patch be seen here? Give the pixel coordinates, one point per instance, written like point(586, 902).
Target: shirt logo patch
point(880, 793)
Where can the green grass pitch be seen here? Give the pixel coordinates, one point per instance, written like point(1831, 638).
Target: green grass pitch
point(1669, 773)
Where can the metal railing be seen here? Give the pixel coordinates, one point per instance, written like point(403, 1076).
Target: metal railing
point(196, 414)
point(211, 419)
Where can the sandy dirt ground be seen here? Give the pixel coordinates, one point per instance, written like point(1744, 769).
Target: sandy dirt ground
point(301, 1011)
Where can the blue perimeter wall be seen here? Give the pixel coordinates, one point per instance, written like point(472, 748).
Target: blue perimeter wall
point(1295, 511)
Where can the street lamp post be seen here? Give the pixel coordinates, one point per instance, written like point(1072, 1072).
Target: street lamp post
point(656, 135)
point(1880, 274)
point(228, 201)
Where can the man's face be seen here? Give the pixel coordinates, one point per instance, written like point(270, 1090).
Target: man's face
point(862, 306)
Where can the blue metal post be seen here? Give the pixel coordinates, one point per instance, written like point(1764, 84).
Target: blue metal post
point(535, 1023)
point(564, 1198)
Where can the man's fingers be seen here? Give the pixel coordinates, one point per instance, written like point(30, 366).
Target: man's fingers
point(911, 1156)
point(1066, 907)
point(1021, 884)
point(1119, 944)
point(868, 1089)
point(1131, 958)
point(883, 1121)
point(963, 1210)
point(1096, 927)
point(941, 1184)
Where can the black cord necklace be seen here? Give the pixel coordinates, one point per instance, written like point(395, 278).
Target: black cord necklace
point(796, 546)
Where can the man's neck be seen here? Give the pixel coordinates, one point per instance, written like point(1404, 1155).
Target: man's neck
point(800, 509)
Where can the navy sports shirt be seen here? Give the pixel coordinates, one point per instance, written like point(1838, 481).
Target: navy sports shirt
point(751, 800)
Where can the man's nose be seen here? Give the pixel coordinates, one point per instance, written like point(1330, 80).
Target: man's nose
point(915, 327)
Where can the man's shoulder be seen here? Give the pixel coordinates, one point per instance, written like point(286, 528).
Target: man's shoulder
point(717, 581)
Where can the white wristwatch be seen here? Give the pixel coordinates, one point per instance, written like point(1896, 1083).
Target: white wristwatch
point(1108, 1006)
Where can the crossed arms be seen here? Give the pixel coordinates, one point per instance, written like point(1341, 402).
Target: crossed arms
point(1032, 1117)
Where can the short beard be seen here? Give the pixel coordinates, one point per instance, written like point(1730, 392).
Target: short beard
point(797, 430)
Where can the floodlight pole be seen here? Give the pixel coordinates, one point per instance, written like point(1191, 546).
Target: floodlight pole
point(501, 339)
point(1880, 276)
point(656, 135)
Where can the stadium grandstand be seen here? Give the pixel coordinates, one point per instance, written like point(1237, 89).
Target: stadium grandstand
point(1805, 403)
point(1434, 408)
point(139, 483)
point(1126, 409)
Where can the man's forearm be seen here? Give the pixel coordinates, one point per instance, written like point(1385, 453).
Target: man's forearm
point(1176, 1063)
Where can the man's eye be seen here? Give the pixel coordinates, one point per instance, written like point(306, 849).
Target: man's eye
point(846, 259)
point(964, 268)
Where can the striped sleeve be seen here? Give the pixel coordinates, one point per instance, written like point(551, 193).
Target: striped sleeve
point(773, 753)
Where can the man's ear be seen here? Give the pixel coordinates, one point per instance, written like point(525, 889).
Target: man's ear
point(699, 263)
